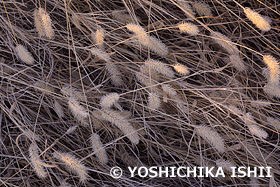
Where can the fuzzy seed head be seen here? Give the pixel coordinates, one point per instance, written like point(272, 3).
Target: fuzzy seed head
point(160, 67)
point(24, 54)
point(212, 137)
point(101, 54)
point(140, 33)
point(153, 101)
point(109, 100)
point(71, 129)
point(156, 46)
point(137, 29)
point(272, 90)
point(151, 74)
point(257, 131)
point(58, 109)
point(38, 23)
point(123, 17)
point(78, 111)
point(171, 92)
point(72, 164)
point(114, 73)
point(188, 28)
point(31, 135)
point(181, 69)
point(235, 110)
point(98, 148)
point(69, 91)
point(237, 62)
point(273, 66)
point(122, 123)
point(43, 23)
point(260, 21)
point(274, 122)
point(186, 7)
point(225, 43)
point(225, 164)
point(260, 103)
point(36, 162)
point(202, 9)
point(253, 127)
point(98, 36)
point(149, 42)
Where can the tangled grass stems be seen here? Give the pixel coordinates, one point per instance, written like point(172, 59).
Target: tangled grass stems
point(101, 82)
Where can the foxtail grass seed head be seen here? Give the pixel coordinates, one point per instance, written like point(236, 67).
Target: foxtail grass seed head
point(24, 54)
point(235, 110)
point(186, 7)
point(274, 122)
point(65, 184)
point(31, 135)
point(156, 46)
point(72, 164)
point(258, 131)
point(144, 78)
point(202, 9)
point(254, 182)
point(254, 127)
point(71, 129)
point(212, 137)
point(160, 67)
point(36, 162)
point(237, 62)
point(151, 74)
point(44, 87)
point(69, 91)
point(188, 28)
point(139, 32)
point(114, 73)
point(273, 66)
point(43, 23)
point(225, 164)
point(98, 148)
point(260, 103)
point(76, 20)
point(98, 36)
point(58, 109)
point(153, 101)
point(124, 17)
point(38, 23)
point(149, 42)
point(101, 54)
point(260, 21)
point(171, 92)
point(272, 90)
point(78, 111)
point(107, 101)
point(225, 43)
point(181, 69)
point(122, 123)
